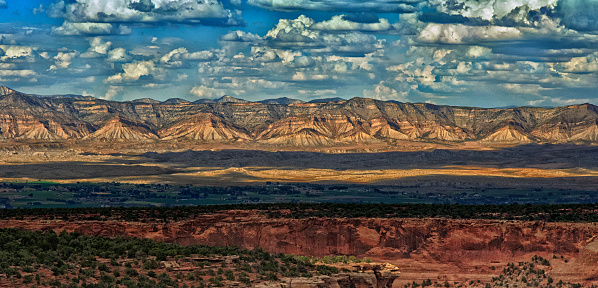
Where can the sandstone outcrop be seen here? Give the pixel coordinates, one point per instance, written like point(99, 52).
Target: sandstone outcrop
point(121, 130)
point(202, 128)
point(437, 239)
point(357, 280)
point(284, 122)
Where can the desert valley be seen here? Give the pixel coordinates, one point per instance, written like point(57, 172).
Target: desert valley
point(299, 143)
point(58, 150)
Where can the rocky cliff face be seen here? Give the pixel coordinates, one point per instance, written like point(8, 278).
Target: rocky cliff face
point(446, 241)
point(358, 120)
point(375, 275)
point(371, 279)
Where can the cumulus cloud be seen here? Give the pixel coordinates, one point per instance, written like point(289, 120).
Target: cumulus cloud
point(294, 30)
point(382, 92)
point(240, 36)
point(534, 16)
point(174, 58)
point(96, 45)
point(299, 76)
point(585, 64)
point(235, 41)
point(300, 34)
point(206, 12)
point(339, 23)
point(489, 9)
point(63, 60)
point(378, 6)
point(514, 47)
point(87, 28)
point(203, 91)
point(458, 33)
point(199, 55)
point(133, 71)
point(322, 92)
point(562, 101)
point(302, 76)
point(97, 48)
point(112, 92)
point(15, 52)
point(118, 55)
point(478, 51)
point(381, 26)
point(18, 73)
point(264, 54)
point(234, 85)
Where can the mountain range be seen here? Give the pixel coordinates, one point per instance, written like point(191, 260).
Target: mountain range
point(285, 121)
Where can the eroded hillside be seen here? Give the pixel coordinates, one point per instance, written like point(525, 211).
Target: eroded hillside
point(358, 121)
point(433, 248)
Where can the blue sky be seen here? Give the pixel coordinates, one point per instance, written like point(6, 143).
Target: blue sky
point(487, 53)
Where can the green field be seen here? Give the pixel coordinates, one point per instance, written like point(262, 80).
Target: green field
point(54, 195)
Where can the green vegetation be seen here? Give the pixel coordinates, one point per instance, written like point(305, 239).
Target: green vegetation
point(526, 212)
point(535, 273)
point(54, 195)
point(29, 259)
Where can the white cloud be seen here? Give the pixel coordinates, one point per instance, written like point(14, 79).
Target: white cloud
point(199, 55)
point(527, 89)
point(299, 34)
point(562, 102)
point(478, 51)
point(13, 52)
point(112, 92)
point(383, 92)
point(182, 77)
point(73, 29)
point(118, 55)
point(264, 54)
point(206, 12)
point(440, 54)
point(97, 48)
point(414, 73)
point(585, 64)
point(240, 36)
point(18, 73)
point(293, 30)
point(322, 92)
point(301, 76)
point(124, 30)
point(458, 33)
point(338, 5)
point(155, 86)
point(463, 67)
point(174, 58)
point(7, 66)
point(338, 23)
point(203, 91)
point(64, 60)
point(488, 9)
point(536, 102)
point(133, 71)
